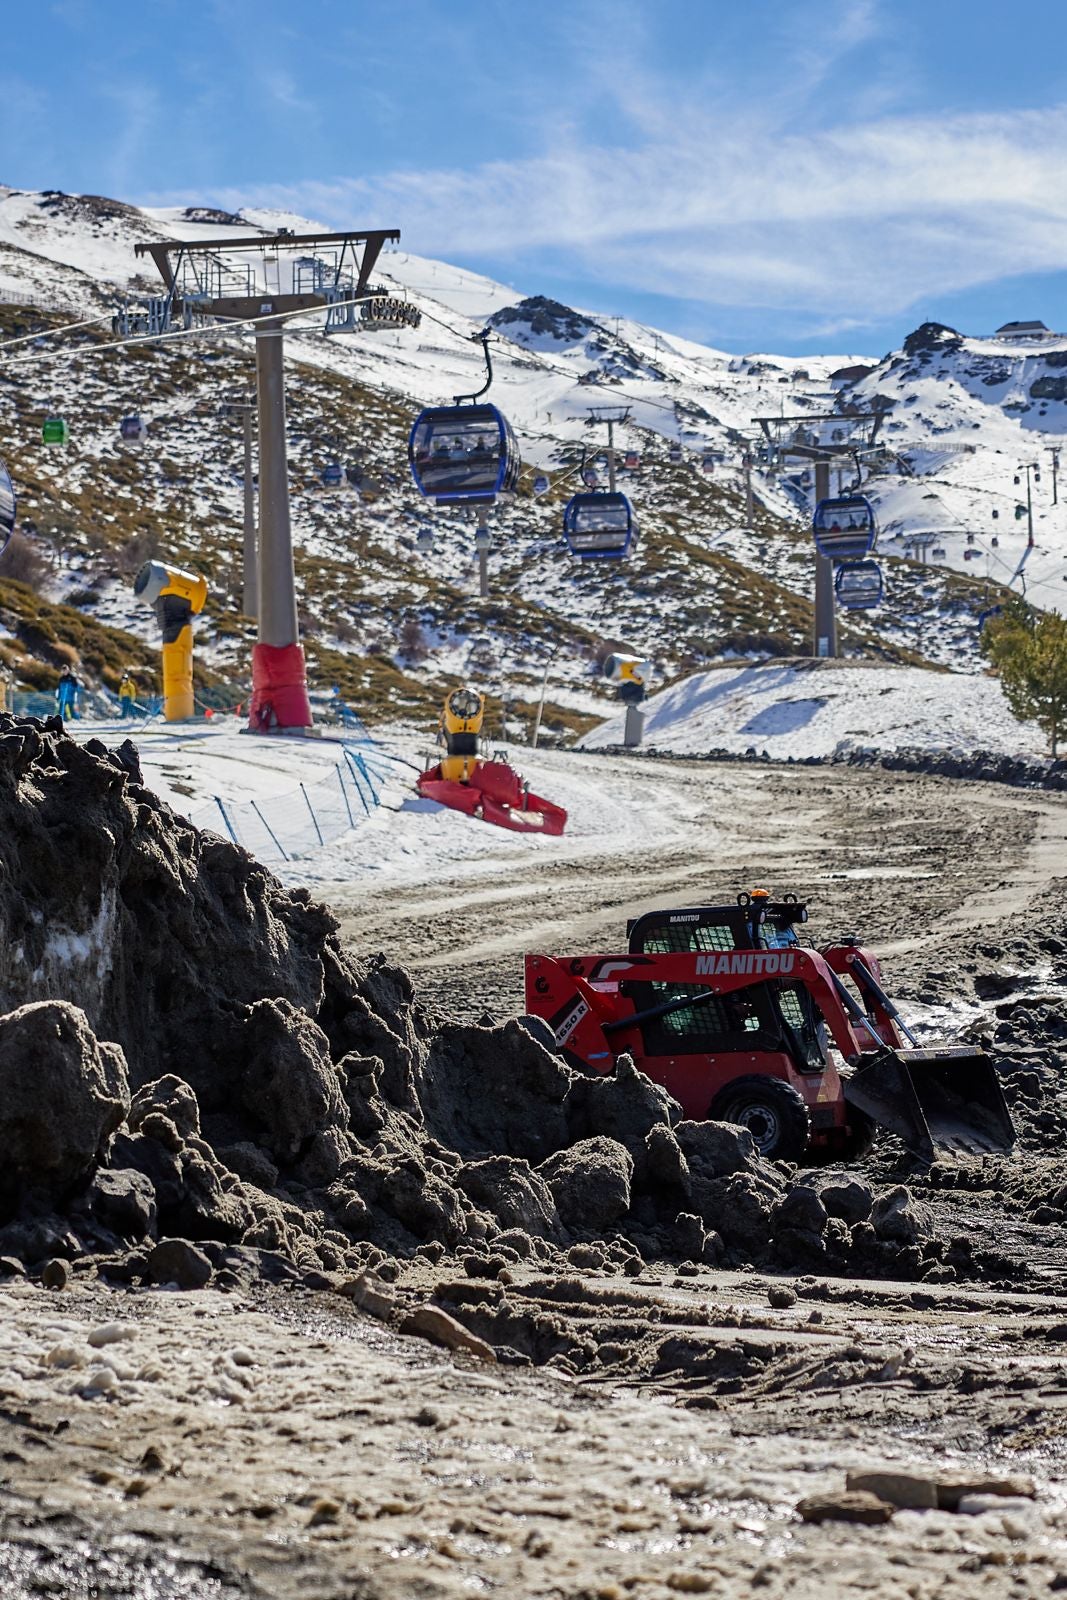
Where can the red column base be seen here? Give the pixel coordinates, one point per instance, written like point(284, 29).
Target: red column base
point(279, 688)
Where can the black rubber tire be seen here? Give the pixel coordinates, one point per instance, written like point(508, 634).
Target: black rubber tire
point(859, 1138)
point(772, 1111)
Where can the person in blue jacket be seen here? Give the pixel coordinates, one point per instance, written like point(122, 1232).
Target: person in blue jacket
point(67, 691)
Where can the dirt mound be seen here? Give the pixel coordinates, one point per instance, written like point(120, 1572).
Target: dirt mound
point(190, 1054)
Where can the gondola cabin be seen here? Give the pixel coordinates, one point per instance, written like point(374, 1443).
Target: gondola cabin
point(631, 460)
point(599, 526)
point(332, 475)
point(482, 540)
point(133, 430)
point(674, 454)
point(541, 484)
point(55, 431)
point(844, 528)
point(462, 453)
point(590, 477)
point(940, 553)
point(424, 541)
point(7, 506)
point(858, 585)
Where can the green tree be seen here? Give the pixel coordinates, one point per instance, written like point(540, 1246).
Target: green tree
point(1028, 651)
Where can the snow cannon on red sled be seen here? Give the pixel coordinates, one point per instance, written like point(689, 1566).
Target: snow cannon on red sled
point(492, 791)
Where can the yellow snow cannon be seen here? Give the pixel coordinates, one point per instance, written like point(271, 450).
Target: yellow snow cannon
point(627, 670)
point(177, 596)
point(492, 791)
point(461, 723)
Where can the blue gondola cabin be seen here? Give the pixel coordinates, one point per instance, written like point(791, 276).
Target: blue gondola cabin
point(844, 529)
point(599, 526)
point(462, 453)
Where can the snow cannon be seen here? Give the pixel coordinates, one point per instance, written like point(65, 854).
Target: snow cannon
point(178, 596)
point(491, 791)
point(631, 674)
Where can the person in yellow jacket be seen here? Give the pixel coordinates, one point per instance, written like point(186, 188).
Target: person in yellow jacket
point(128, 695)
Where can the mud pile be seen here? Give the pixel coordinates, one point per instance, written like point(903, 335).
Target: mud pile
point(196, 1078)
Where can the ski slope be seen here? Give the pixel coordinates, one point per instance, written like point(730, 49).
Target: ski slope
point(794, 709)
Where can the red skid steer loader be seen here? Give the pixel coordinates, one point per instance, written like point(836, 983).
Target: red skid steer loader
point(742, 1023)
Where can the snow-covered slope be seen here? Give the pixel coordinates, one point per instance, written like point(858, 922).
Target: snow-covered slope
point(703, 584)
point(814, 708)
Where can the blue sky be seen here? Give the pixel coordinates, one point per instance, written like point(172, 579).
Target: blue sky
point(770, 174)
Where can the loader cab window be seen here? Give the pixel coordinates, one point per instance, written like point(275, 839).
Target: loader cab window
point(766, 1016)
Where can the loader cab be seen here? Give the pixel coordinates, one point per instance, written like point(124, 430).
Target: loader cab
point(774, 1016)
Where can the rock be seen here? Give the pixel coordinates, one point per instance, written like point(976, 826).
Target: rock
point(11, 1267)
point(177, 1261)
point(55, 1274)
point(62, 1095)
point(251, 1162)
point(738, 1208)
point(801, 1210)
point(714, 1149)
point(125, 1202)
point(845, 1506)
point(590, 1183)
point(110, 1333)
point(781, 1297)
point(849, 1200)
point(370, 1295)
point(977, 1505)
point(953, 1487)
point(289, 1085)
point(664, 1162)
point(172, 1097)
point(487, 1091)
point(622, 1105)
point(688, 1236)
point(898, 1218)
point(516, 1195)
point(431, 1322)
point(902, 1489)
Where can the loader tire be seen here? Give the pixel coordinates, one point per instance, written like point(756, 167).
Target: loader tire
point(859, 1138)
point(771, 1110)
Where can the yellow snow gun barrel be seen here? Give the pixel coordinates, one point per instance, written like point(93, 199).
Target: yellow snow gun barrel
point(461, 721)
point(177, 597)
point(631, 674)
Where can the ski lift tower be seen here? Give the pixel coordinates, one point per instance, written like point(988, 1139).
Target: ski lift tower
point(802, 436)
point(263, 280)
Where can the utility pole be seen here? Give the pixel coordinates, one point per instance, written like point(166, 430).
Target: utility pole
point(750, 504)
point(1025, 467)
point(541, 703)
point(825, 614)
point(1054, 452)
point(611, 455)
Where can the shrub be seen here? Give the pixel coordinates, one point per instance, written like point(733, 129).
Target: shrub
point(1028, 652)
point(23, 561)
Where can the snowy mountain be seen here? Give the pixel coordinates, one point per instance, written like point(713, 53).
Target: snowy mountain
point(391, 625)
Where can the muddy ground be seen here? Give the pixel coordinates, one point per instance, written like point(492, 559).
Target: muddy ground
point(645, 1434)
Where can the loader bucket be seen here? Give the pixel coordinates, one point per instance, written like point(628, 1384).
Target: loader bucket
point(947, 1098)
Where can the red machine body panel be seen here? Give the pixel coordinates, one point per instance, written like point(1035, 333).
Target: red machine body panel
point(495, 793)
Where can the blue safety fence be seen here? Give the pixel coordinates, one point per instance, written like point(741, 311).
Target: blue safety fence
point(286, 826)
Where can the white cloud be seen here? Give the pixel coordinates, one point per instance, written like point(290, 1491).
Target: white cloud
point(722, 193)
point(861, 222)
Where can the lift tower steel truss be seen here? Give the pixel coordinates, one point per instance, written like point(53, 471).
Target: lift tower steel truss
point(805, 441)
point(263, 279)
